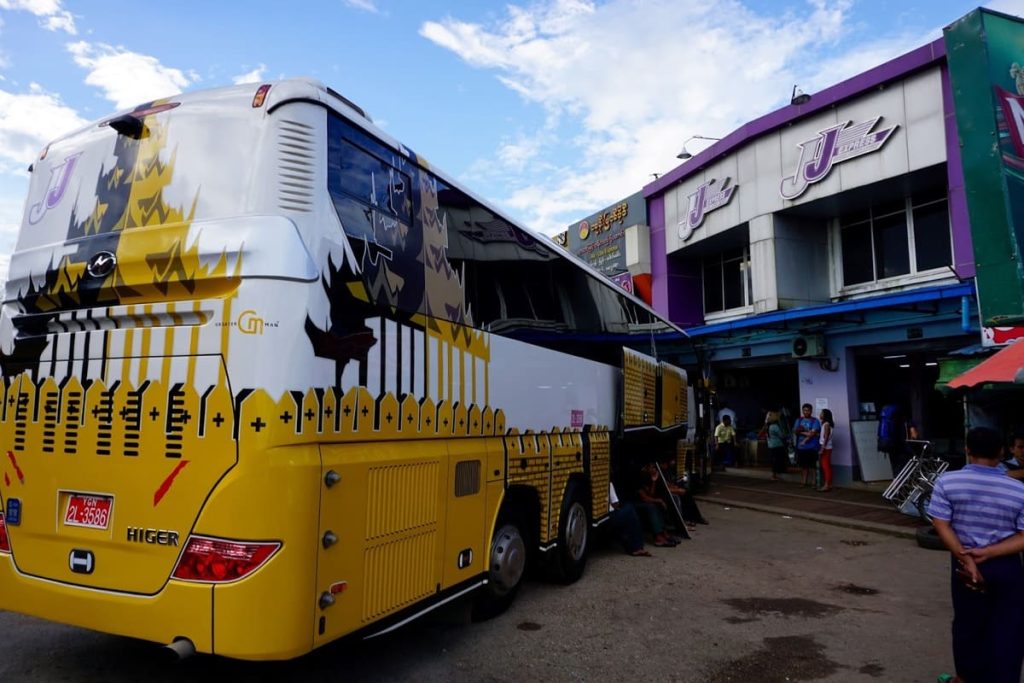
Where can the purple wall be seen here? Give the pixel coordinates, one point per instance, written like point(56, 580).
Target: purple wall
point(960, 222)
point(676, 291)
point(659, 278)
point(686, 303)
point(816, 383)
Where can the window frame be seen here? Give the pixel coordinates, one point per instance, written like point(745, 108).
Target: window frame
point(746, 268)
point(839, 289)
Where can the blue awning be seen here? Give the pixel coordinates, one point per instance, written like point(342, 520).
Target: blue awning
point(916, 296)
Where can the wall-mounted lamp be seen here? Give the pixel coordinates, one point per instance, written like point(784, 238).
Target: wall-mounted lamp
point(799, 97)
point(684, 155)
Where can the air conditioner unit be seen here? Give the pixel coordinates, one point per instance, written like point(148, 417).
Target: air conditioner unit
point(809, 346)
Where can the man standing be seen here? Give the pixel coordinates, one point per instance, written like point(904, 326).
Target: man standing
point(806, 429)
point(725, 441)
point(978, 513)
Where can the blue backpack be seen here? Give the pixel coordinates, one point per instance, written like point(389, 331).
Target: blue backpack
point(892, 429)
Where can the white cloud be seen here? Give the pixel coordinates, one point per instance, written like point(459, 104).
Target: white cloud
point(28, 122)
point(127, 78)
point(10, 218)
point(364, 5)
point(638, 79)
point(1015, 7)
point(254, 76)
point(53, 17)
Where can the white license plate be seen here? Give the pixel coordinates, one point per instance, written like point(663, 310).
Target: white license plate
point(88, 511)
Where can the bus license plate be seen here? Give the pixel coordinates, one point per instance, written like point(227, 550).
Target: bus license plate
point(88, 511)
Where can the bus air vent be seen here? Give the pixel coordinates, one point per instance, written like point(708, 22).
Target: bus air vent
point(297, 157)
point(467, 478)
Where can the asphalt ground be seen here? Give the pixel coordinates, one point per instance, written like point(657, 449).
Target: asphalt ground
point(755, 596)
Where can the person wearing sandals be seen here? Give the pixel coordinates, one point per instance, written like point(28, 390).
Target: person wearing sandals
point(806, 431)
point(828, 424)
point(623, 521)
point(651, 506)
point(776, 442)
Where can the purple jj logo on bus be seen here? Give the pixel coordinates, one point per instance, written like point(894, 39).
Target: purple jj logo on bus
point(831, 146)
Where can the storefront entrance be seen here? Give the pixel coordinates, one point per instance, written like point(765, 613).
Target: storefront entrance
point(752, 388)
point(906, 375)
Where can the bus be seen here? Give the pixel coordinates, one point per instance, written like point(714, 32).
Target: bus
point(271, 379)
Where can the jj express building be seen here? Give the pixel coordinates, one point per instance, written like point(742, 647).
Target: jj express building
point(823, 254)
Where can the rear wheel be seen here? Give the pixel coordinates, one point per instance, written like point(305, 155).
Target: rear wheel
point(505, 570)
point(928, 538)
point(922, 506)
point(573, 536)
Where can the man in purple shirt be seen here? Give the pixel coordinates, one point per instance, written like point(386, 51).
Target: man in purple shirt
point(978, 513)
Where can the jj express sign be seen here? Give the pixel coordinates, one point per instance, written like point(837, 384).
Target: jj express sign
point(831, 146)
point(703, 201)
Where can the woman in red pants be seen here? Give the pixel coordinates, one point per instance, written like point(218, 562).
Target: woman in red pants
point(827, 425)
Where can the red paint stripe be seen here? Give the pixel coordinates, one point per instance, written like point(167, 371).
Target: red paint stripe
point(166, 486)
point(17, 470)
point(7, 479)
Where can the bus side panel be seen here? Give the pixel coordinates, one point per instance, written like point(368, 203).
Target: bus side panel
point(529, 465)
point(464, 551)
point(388, 512)
point(598, 458)
point(272, 496)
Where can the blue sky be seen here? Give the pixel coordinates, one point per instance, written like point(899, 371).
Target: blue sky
point(551, 109)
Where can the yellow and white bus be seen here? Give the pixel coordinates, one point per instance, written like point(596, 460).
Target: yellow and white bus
point(270, 379)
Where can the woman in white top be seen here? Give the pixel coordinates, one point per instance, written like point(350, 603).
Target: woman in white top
point(827, 425)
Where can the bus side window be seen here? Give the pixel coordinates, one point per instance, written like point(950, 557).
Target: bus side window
point(357, 173)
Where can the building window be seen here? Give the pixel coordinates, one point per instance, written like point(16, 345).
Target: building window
point(727, 281)
point(895, 239)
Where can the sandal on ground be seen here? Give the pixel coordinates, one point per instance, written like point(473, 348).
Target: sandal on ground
point(665, 544)
point(641, 553)
point(824, 489)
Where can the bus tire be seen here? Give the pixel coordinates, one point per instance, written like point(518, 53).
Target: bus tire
point(570, 556)
point(506, 566)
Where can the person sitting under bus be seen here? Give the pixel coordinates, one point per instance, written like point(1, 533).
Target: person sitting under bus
point(624, 523)
point(685, 501)
point(653, 507)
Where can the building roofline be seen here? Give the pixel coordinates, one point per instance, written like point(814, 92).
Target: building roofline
point(901, 66)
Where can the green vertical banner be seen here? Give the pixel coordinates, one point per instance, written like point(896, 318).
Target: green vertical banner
point(985, 55)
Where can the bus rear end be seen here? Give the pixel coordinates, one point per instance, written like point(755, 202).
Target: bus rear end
point(150, 294)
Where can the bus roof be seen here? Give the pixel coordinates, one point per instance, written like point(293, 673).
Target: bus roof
point(314, 91)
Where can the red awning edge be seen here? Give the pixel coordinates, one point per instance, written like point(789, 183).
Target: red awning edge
point(1003, 367)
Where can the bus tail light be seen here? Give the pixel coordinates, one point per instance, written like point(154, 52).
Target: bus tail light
point(5, 542)
point(215, 560)
point(260, 96)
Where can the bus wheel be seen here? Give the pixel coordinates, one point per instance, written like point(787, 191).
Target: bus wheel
point(573, 536)
point(505, 570)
